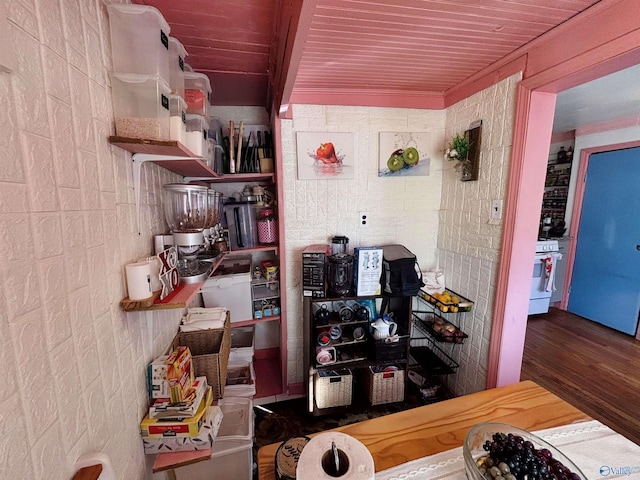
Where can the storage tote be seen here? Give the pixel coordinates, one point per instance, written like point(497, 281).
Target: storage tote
point(241, 380)
point(232, 292)
point(139, 40)
point(209, 353)
point(141, 106)
point(232, 456)
point(177, 53)
point(333, 388)
point(384, 384)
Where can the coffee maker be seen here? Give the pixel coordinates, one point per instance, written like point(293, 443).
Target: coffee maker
point(186, 212)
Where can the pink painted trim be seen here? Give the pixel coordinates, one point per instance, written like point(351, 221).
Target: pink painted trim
point(279, 179)
point(430, 101)
point(574, 228)
point(485, 79)
point(533, 122)
point(563, 136)
point(607, 126)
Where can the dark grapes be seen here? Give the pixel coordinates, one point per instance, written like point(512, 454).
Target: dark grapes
point(512, 455)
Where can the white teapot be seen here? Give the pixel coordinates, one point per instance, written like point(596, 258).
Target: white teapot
point(383, 328)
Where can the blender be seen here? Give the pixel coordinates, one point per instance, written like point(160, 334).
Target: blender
point(213, 217)
point(340, 274)
point(185, 210)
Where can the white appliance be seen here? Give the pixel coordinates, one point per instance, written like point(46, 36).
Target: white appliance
point(544, 271)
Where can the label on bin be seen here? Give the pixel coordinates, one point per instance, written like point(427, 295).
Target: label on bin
point(180, 63)
point(164, 38)
point(165, 101)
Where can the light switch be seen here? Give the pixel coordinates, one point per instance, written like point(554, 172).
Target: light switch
point(496, 210)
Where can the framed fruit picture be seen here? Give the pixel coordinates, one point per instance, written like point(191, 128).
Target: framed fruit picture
point(404, 154)
point(325, 155)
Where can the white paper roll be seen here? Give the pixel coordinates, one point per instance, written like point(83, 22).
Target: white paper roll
point(155, 264)
point(139, 280)
point(317, 459)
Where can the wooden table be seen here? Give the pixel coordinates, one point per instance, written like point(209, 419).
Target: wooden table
point(419, 432)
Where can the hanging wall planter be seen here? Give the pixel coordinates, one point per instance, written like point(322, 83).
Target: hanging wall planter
point(465, 150)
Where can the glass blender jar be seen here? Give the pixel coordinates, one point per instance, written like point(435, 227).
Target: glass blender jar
point(339, 274)
point(185, 210)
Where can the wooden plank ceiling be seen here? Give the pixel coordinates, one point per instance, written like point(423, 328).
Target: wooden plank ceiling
point(412, 46)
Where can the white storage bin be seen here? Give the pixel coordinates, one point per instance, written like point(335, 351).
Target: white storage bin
point(197, 92)
point(177, 118)
point(232, 292)
point(140, 106)
point(242, 344)
point(241, 379)
point(177, 54)
point(195, 138)
point(232, 457)
point(139, 40)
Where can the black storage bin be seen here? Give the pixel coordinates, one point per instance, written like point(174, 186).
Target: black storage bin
point(384, 351)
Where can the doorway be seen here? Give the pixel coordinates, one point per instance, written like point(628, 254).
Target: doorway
point(534, 117)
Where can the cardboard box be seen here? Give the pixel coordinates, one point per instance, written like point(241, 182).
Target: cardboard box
point(204, 440)
point(367, 270)
point(188, 427)
point(166, 409)
point(172, 376)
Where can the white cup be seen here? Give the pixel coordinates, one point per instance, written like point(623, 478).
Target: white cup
point(139, 280)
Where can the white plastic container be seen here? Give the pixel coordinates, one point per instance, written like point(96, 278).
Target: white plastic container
point(241, 380)
point(177, 118)
point(232, 292)
point(177, 54)
point(195, 138)
point(232, 457)
point(242, 344)
point(140, 106)
point(139, 40)
point(197, 92)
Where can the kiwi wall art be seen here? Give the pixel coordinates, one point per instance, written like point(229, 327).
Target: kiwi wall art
point(404, 154)
point(325, 155)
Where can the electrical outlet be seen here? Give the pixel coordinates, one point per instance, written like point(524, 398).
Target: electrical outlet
point(363, 219)
point(496, 210)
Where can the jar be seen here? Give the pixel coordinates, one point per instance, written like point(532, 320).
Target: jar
point(267, 226)
point(339, 244)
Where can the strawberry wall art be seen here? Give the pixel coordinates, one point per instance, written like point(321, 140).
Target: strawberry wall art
point(326, 155)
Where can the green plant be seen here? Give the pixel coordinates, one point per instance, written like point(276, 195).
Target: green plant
point(458, 148)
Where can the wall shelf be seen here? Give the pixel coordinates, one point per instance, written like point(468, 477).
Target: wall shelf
point(180, 298)
point(171, 155)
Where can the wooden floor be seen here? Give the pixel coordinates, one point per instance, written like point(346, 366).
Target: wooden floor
point(595, 368)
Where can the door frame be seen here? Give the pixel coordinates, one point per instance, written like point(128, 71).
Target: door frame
point(535, 106)
point(574, 228)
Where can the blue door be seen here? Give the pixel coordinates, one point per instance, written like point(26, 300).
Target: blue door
point(605, 285)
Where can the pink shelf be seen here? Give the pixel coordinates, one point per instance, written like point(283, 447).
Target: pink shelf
point(253, 321)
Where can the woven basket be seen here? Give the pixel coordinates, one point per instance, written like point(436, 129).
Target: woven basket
point(333, 390)
point(385, 387)
point(210, 353)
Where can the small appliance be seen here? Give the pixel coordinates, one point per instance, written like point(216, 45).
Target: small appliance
point(313, 270)
point(241, 224)
point(339, 274)
point(543, 279)
point(186, 210)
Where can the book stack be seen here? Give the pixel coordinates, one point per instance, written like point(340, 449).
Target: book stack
point(180, 415)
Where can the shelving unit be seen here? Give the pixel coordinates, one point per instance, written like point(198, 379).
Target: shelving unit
point(175, 157)
point(436, 336)
point(352, 354)
point(556, 191)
